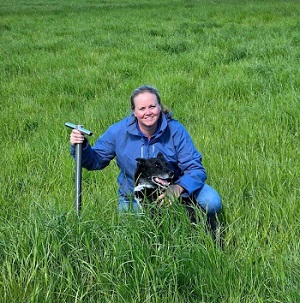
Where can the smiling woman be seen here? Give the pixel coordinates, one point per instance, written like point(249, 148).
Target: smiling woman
point(147, 112)
point(147, 132)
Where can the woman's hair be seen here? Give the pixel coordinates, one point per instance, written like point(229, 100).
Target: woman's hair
point(149, 89)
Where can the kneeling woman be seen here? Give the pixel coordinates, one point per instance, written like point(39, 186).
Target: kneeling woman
point(148, 130)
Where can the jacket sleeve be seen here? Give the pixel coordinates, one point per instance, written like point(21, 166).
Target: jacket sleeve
point(100, 155)
point(189, 161)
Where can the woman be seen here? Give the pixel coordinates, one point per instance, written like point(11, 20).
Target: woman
point(149, 130)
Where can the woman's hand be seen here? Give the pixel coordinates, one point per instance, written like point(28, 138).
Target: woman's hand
point(171, 193)
point(76, 137)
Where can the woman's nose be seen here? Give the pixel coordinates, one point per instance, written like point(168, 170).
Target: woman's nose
point(148, 111)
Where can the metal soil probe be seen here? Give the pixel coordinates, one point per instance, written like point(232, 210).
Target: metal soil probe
point(78, 170)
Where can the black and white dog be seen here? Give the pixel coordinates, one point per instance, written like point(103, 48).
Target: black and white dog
point(152, 177)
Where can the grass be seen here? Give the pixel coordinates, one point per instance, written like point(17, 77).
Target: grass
point(228, 70)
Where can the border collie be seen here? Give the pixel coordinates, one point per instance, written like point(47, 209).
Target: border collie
point(152, 177)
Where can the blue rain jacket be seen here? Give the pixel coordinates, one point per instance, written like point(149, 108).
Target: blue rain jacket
point(124, 141)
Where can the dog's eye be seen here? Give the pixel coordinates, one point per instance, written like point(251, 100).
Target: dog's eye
point(158, 165)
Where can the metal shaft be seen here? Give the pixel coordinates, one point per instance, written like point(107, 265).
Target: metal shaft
point(78, 178)
point(78, 168)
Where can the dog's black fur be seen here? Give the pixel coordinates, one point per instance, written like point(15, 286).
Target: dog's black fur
point(152, 177)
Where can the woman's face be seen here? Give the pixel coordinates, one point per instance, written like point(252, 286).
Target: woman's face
point(146, 110)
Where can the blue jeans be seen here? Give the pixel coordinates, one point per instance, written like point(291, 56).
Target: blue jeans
point(207, 197)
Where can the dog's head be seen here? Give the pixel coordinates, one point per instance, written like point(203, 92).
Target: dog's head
point(151, 174)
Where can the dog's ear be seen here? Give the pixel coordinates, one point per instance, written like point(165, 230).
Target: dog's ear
point(140, 161)
point(160, 156)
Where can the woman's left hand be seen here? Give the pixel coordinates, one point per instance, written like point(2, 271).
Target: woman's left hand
point(171, 193)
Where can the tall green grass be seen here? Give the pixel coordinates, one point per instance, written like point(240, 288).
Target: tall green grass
point(229, 70)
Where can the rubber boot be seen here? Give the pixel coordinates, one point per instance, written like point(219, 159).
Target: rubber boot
point(214, 229)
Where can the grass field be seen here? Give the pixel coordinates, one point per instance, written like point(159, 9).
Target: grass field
point(229, 70)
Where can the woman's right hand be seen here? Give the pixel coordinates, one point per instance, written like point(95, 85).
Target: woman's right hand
point(76, 137)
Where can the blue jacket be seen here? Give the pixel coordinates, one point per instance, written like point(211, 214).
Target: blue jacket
point(125, 142)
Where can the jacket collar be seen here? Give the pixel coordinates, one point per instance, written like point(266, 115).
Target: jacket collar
point(133, 130)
